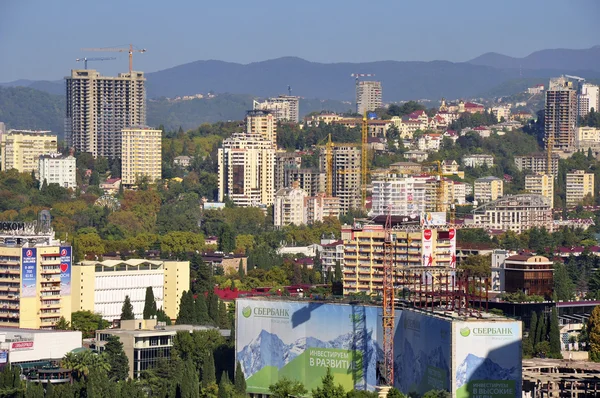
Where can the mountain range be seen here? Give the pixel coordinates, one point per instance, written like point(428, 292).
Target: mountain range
point(482, 76)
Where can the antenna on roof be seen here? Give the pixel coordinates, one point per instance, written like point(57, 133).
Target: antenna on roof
point(290, 90)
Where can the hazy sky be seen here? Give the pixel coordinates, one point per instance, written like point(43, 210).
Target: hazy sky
point(40, 39)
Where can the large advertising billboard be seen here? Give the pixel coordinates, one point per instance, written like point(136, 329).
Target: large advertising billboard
point(300, 340)
point(421, 352)
point(65, 271)
point(28, 272)
point(452, 235)
point(427, 248)
point(433, 218)
point(487, 359)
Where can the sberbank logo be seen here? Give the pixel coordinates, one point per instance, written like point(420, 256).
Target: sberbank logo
point(489, 331)
point(246, 312)
point(465, 332)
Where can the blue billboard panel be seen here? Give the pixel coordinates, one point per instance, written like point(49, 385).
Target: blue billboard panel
point(300, 340)
point(422, 357)
point(65, 271)
point(28, 272)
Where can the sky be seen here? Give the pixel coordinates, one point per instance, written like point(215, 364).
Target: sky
point(40, 39)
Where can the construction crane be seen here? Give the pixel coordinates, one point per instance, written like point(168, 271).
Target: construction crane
point(356, 76)
point(579, 79)
point(388, 301)
point(85, 60)
point(364, 169)
point(131, 50)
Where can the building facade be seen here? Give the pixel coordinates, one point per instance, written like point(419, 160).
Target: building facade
point(285, 108)
point(100, 107)
point(101, 286)
point(537, 163)
point(141, 155)
point(246, 170)
point(478, 160)
point(321, 206)
point(55, 168)
point(332, 252)
point(21, 149)
point(528, 274)
point(516, 213)
point(399, 195)
point(346, 181)
point(588, 99)
point(560, 114)
point(285, 161)
point(487, 189)
point(579, 184)
point(311, 180)
point(289, 207)
point(541, 184)
point(368, 96)
point(262, 123)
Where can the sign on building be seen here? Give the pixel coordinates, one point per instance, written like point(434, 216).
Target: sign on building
point(433, 218)
point(29, 272)
point(65, 270)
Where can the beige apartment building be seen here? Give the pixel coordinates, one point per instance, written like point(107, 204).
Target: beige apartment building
point(100, 107)
point(264, 123)
point(368, 96)
point(560, 121)
point(21, 149)
point(141, 155)
point(346, 182)
point(246, 170)
point(289, 206)
point(541, 184)
point(579, 184)
point(487, 189)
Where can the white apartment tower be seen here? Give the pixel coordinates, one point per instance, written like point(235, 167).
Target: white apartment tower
point(55, 168)
point(368, 96)
point(141, 155)
point(401, 196)
point(289, 207)
point(285, 108)
point(100, 107)
point(246, 169)
point(588, 99)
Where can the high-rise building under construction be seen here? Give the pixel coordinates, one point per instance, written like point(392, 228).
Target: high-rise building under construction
point(368, 96)
point(100, 107)
point(560, 113)
point(345, 175)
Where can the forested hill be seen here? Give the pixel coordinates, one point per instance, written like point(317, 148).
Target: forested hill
point(26, 108)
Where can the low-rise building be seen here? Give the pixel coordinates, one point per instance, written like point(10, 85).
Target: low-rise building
point(541, 184)
point(502, 111)
point(146, 341)
point(55, 168)
point(487, 189)
point(289, 206)
point(182, 161)
point(450, 167)
point(588, 138)
point(478, 160)
point(418, 156)
point(228, 263)
point(332, 252)
point(579, 184)
point(524, 273)
point(429, 142)
point(101, 286)
point(537, 89)
point(516, 213)
point(111, 186)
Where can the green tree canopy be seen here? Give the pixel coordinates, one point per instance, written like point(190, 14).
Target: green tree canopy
point(127, 310)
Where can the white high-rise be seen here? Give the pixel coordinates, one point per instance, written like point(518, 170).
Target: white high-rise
point(368, 96)
point(100, 107)
point(399, 195)
point(588, 99)
point(285, 108)
point(55, 168)
point(246, 169)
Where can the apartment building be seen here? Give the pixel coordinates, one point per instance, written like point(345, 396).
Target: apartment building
point(311, 180)
point(363, 254)
point(579, 184)
point(588, 99)
point(283, 162)
point(285, 108)
point(321, 206)
point(101, 286)
point(500, 112)
point(537, 163)
point(399, 195)
point(36, 280)
point(263, 123)
point(21, 149)
point(522, 273)
point(141, 155)
point(346, 181)
point(332, 252)
point(588, 138)
point(289, 206)
point(246, 170)
point(487, 189)
point(560, 114)
point(100, 107)
point(55, 168)
point(478, 160)
point(368, 96)
point(541, 184)
point(516, 213)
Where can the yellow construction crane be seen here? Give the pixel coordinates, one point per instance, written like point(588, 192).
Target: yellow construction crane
point(131, 50)
point(364, 170)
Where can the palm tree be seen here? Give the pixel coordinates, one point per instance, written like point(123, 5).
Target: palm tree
point(82, 363)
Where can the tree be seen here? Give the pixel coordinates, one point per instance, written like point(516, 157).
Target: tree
point(554, 335)
point(62, 324)
point(533, 330)
point(563, 285)
point(240, 380)
point(115, 355)
point(189, 386)
point(540, 336)
point(11, 384)
point(186, 315)
point(223, 316)
point(437, 394)
point(201, 310)
point(208, 370)
point(127, 310)
point(225, 388)
point(477, 265)
point(337, 272)
point(213, 306)
point(285, 388)
point(241, 271)
point(394, 393)
point(593, 328)
point(149, 304)
point(328, 388)
point(87, 323)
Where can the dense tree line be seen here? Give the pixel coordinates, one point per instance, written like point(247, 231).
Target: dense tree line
point(543, 339)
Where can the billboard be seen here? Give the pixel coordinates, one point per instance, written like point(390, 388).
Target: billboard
point(65, 271)
point(427, 248)
point(300, 340)
point(452, 236)
point(28, 272)
point(433, 218)
point(421, 353)
point(21, 345)
point(487, 359)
